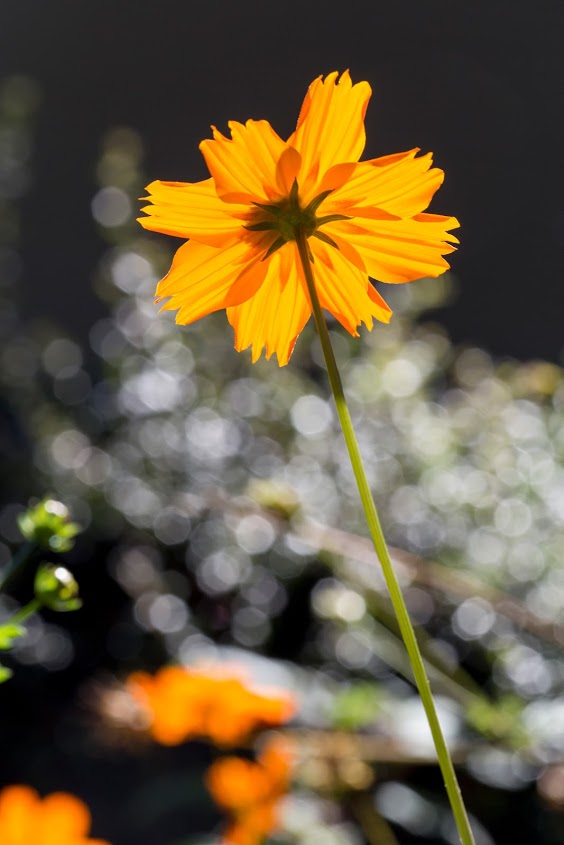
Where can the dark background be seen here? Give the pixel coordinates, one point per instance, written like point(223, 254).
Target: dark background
point(480, 84)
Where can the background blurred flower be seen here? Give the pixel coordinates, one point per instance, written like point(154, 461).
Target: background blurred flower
point(250, 791)
point(183, 704)
point(57, 819)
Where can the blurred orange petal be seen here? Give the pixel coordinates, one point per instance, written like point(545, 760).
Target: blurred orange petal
point(182, 704)
point(57, 819)
point(250, 791)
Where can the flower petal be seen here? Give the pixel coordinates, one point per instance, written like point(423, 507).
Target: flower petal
point(399, 251)
point(192, 210)
point(64, 818)
point(18, 807)
point(345, 291)
point(244, 166)
point(400, 184)
point(330, 128)
point(277, 313)
point(204, 279)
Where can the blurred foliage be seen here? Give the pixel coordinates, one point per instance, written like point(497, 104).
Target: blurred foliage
point(224, 496)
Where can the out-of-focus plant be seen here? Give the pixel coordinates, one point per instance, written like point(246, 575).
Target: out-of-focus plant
point(59, 817)
point(46, 525)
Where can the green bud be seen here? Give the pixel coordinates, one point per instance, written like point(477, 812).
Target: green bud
point(49, 525)
point(56, 588)
point(5, 673)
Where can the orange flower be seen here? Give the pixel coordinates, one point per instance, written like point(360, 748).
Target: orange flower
point(57, 819)
point(250, 792)
point(183, 704)
point(362, 219)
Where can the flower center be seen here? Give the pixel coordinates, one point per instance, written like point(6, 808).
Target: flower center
point(286, 219)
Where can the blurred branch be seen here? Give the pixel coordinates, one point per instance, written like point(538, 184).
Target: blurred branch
point(374, 826)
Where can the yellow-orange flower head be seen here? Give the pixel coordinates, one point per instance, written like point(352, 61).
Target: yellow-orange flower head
point(362, 219)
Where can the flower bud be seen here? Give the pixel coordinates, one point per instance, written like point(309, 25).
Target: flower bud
point(56, 588)
point(49, 525)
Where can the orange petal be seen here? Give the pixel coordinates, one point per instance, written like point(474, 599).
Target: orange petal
point(276, 314)
point(244, 167)
point(287, 169)
point(330, 128)
point(192, 210)
point(344, 290)
point(204, 279)
point(64, 818)
point(399, 251)
point(236, 784)
point(400, 184)
point(18, 807)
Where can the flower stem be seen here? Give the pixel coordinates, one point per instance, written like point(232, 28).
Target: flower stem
point(373, 521)
point(25, 612)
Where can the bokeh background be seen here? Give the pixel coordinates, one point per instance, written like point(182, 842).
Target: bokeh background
point(202, 482)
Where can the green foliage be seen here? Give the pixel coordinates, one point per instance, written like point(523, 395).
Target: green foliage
point(357, 706)
point(48, 524)
point(501, 720)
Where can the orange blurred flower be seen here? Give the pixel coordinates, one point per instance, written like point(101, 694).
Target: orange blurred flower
point(184, 703)
point(57, 819)
point(362, 219)
point(250, 791)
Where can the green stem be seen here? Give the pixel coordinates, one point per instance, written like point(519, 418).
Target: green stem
point(25, 612)
point(404, 622)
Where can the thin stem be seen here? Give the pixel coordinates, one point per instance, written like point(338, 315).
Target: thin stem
point(374, 826)
point(24, 612)
point(404, 622)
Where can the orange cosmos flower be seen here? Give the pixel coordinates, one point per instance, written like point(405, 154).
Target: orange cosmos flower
point(57, 819)
point(250, 792)
point(363, 219)
point(183, 704)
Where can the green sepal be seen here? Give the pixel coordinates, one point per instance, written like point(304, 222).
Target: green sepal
point(325, 238)
point(263, 226)
point(330, 218)
point(277, 210)
point(293, 196)
point(273, 247)
point(316, 201)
